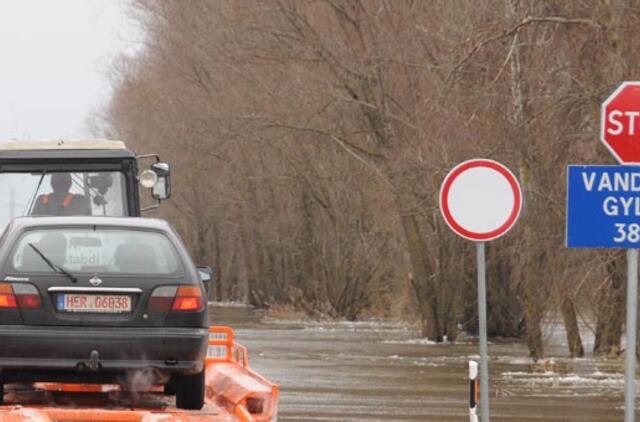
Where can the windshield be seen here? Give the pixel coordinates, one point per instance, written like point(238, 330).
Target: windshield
point(101, 251)
point(62, 193)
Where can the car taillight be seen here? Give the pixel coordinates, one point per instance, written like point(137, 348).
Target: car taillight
point(19, 295)
point(7, 299)
point(188, 299)
point(162, 298)
point(27, 296)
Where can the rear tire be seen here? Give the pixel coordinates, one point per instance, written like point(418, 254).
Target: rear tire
point(1, 392)
point(189, 390)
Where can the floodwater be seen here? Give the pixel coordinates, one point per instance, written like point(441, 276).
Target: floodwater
point(374, 371)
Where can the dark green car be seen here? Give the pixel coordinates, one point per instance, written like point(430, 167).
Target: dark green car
point(99, 299)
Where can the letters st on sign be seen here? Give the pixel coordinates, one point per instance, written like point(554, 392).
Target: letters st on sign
point(603, 206)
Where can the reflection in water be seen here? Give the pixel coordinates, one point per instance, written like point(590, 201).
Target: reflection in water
point(381, 372)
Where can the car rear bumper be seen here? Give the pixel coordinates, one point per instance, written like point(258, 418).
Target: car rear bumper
point(28, 350)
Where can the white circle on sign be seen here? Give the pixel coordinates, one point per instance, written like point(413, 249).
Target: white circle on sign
point(480, 199)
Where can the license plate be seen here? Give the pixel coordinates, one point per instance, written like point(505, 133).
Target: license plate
point(110, 304)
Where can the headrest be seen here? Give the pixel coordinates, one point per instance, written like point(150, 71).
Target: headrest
point(135, 258)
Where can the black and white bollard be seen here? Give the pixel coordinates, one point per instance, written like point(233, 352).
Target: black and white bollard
point(473, 391)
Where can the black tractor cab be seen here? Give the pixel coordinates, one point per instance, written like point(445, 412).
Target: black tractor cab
point(77, 177)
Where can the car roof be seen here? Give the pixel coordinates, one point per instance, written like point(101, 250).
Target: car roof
point(31, 222)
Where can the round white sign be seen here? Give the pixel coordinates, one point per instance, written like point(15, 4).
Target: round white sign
point(480, 199)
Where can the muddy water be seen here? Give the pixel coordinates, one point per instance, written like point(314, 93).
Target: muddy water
point(383, 372)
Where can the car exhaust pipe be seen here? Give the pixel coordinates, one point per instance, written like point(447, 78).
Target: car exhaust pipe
point(94, 360)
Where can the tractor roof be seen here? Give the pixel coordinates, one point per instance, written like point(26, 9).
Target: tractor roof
point(58, 144)
point(63, 149)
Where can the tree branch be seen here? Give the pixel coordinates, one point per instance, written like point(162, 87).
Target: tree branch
point(516, 28)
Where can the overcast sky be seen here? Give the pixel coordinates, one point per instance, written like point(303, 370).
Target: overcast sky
point(54, 59)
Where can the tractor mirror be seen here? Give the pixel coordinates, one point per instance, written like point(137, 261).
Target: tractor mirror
point(162, 188)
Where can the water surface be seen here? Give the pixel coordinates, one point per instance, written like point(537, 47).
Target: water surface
point(383, 372)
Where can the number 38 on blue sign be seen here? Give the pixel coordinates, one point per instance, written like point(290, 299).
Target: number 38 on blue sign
point(627, 232)
point(603, 206)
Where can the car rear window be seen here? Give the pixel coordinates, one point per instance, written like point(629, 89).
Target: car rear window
point(95, 250)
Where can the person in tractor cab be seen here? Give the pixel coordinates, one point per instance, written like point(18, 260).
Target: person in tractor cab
point(61, 201)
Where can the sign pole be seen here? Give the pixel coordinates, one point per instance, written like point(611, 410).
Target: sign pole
point(482, 333)
point(480, 200)
point(630, 354)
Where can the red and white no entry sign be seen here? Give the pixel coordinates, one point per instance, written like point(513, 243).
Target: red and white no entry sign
point(480, 199)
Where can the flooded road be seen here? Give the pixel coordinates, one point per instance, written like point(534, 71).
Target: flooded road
point(383, 372)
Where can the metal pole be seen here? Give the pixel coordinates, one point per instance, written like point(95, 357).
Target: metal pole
point(482, 334)
point(630, 354)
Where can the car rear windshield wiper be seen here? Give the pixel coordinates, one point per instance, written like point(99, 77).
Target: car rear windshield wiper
point(54, 267)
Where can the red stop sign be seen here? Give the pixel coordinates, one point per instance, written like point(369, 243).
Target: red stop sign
point(620, 126)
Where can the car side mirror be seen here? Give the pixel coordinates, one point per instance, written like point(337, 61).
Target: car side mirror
point(162, 188)
point(206, 275)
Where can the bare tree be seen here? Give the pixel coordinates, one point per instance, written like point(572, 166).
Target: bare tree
point(309, 140)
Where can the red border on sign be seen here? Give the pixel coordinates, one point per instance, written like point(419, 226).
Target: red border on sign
point(444, 199)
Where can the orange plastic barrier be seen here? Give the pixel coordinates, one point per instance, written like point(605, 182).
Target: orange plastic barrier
point(234, 393)
point(247, 394)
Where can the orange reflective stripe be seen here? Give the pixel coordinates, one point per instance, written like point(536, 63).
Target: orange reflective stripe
point(476, 391)
point(67, 200)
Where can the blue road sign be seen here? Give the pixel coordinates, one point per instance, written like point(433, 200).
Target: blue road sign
point(603, 206)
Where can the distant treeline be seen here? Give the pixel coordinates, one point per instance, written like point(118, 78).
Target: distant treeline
point(309, 138)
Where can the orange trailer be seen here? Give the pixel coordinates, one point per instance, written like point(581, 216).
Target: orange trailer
point(234, 393)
